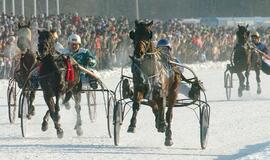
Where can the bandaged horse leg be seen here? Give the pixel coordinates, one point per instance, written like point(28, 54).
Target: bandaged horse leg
point(257, 71)
point(78, 128)
point(138, 96)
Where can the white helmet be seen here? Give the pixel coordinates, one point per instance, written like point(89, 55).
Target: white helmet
point(11, 39)
point(74, 38)
point(255, 33)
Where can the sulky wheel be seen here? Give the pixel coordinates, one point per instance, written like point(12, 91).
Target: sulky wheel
point(204, 124)
point(23, 112)
point(109, 115)
point(92, 105)
point(117, 116)
point(11, 94)
point(228, 85)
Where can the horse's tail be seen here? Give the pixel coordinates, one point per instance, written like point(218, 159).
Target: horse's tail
point(24, 44)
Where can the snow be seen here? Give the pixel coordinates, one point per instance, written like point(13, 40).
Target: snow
point(239, 129)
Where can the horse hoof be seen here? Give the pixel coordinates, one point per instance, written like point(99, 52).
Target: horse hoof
point(131, 129)
point(60, 133)
point(79, 131)
point(168, 143)
point(44, 126)
point(247, 88)
point(29, 116)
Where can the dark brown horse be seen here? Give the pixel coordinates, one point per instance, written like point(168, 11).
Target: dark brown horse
point(52, 78)
point(245, 59)
point(152, 81)
point(27, 63)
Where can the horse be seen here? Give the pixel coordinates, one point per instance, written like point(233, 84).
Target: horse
point(24, 41)
point(53, 73)
point(152, 81)
point(245, 59)
point(27, 63)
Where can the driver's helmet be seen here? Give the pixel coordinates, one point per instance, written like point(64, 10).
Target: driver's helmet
point(164, 43)
point(255, 34)
point(11, 39)
point(74, 38)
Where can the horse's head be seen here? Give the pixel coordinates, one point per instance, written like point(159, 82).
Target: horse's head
point(24, 37)
point(141, 37)
point(242, 34)
point(46, 43)
point(24, 31)
point(144, 50)
point(142, 31)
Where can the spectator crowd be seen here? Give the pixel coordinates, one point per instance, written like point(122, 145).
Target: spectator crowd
point(108, 38)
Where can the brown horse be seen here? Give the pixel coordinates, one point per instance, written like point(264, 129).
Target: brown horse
point(27, 63)
point(152, 81)
point(245, 59)
point(52, 78)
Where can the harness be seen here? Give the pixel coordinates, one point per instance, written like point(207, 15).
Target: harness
point(151, 82)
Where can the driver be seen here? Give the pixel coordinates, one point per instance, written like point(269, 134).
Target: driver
point(84, 57)
point(164, 46)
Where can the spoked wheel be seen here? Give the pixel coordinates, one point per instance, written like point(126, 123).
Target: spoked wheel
point(23, 109)
point(117, 117)
point(204, 124)
point(11, 94)
point(92, 105)
point(228, 85)
point(109, 114)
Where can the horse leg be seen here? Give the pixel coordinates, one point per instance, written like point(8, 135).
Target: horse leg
point(169, 115)
point(247, 82)
point(257, 71)
point(135, 108)
point(241, 83)
point(133, 120)
point(54, 113)
point(31, 108)
point(161, 119)
point(173, 92)
point(59, 130)
point(65, 102)
point(78, 125)
point(44, 125)
point(168, 133)
point(156, 111)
